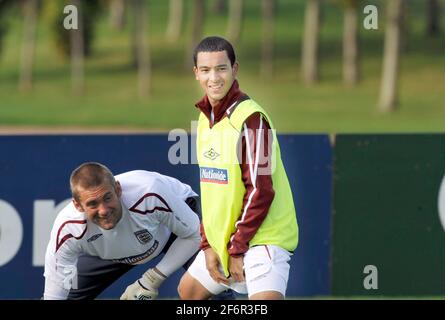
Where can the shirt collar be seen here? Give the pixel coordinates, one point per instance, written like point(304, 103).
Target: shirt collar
point(219, 110)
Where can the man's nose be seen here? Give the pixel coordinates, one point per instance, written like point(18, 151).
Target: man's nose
point(214, 75)
point(102, 209)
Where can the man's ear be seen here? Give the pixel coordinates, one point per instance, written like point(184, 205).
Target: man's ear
point(118, 189)
point(78, 206)
point(235, 68)
point(195, 71)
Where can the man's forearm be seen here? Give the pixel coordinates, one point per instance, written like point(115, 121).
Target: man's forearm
point(179, 252)
point(53, 291)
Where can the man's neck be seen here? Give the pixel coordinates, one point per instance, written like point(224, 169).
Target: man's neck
point(215, 110)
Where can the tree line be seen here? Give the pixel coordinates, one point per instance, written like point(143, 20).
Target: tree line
point(76, 44)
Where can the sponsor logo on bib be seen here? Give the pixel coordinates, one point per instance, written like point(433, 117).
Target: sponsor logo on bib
point(214, 175)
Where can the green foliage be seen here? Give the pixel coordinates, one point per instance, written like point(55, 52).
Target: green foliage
point(5, 6)
point(54, 16)
point(347, 3)
point(110, 100)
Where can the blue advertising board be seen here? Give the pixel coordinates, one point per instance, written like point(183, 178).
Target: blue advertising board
point(35, 169)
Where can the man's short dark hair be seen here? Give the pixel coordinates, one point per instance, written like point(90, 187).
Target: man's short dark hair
point(88, 175)
point(215, 44)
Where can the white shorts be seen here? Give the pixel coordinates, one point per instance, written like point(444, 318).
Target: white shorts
point(266, 268)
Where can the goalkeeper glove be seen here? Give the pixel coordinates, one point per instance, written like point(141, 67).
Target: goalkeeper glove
point(146, 288)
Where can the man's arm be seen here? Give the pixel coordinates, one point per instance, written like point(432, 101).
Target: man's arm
point(61, 261)
point(256, 163)
point(184, 223)
point(181, 250)
point(204, 243)
point(53, 291)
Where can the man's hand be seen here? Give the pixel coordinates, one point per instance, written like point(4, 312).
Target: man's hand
point(236, 268)
point(146, 288)
point(212, 264)
point(136, 291)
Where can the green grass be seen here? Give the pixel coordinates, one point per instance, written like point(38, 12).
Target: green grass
point(111, 84)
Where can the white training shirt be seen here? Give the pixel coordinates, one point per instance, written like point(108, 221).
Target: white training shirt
point(153, 206)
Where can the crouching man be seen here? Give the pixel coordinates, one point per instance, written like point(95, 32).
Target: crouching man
point(114, 223)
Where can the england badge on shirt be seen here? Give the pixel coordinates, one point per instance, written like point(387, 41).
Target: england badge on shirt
point(143, 236)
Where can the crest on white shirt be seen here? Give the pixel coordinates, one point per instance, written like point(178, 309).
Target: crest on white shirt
point(143, 236)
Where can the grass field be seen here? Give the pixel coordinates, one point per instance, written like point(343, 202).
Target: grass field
point(111, 84)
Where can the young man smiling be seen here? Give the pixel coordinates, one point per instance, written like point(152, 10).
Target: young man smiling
point(249, 228)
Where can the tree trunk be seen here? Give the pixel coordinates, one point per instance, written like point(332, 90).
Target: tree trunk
point(350, 46)
point(174, 20)
point(142, 52)
point(134, 34)
point(117, 14)
point(310, 42)
point(30, 8)
point(4, 7)
point(218, 6)
point(388, 89)
point(433, 27)
point(197, 30)
point(268, 38)
point(77, 53)
point(235, 20)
